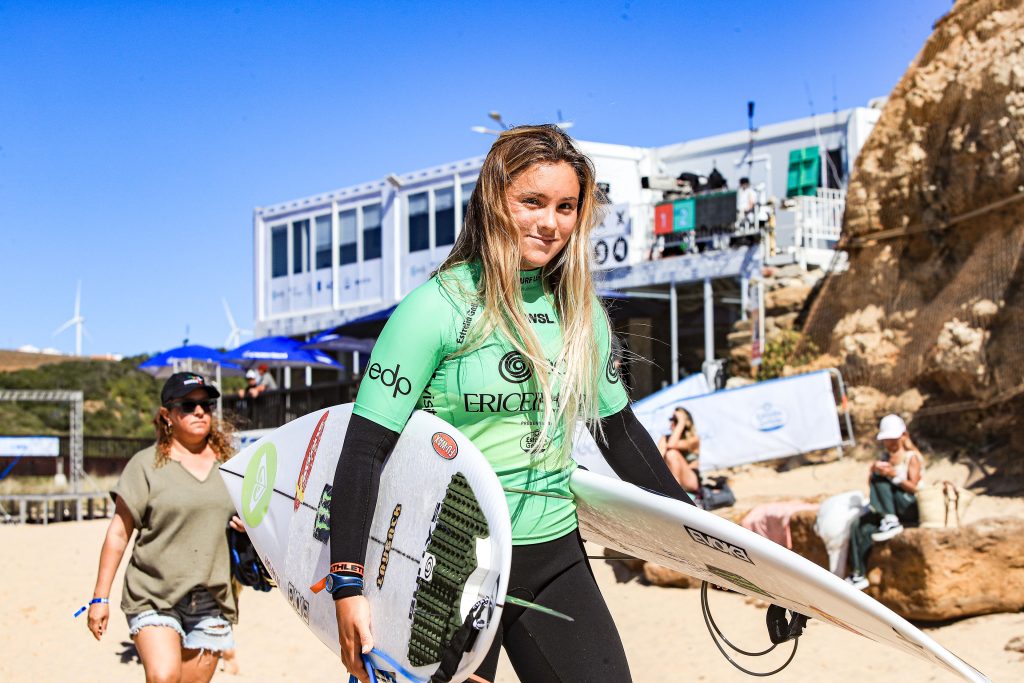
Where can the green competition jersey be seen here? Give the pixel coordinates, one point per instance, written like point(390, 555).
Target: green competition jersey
point(488, 393)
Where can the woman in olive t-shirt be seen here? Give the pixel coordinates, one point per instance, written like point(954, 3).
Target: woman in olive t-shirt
point(177, 586)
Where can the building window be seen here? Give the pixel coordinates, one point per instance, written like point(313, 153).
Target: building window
point(419, 222)
point(279, 251)
point(323, 242)
point(347, 252)
point(444, 216)
point(371, 232)
point(300, 246)
point(467, 192)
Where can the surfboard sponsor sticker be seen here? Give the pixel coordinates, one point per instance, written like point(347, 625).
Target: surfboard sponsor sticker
point(427, 567)
point(322, 524)
point(444, 445)
point(386, 555)
point(718, 544)
point(307, 461)
point(298, 602)
point(258, 484)
point(738, 580)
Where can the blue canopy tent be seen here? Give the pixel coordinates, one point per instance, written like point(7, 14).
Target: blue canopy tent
point(339, 342)
point(280, 352)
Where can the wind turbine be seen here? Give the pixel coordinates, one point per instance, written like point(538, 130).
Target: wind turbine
point(235, 336)
point(78, 321)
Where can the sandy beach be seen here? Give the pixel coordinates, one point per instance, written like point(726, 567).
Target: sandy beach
point(49, 572)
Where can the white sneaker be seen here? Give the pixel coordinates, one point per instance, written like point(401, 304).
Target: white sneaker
point(889, 527)
point(857, 581)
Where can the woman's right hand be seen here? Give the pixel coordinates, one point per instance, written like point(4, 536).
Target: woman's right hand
point(98, 615)
point(354, 634)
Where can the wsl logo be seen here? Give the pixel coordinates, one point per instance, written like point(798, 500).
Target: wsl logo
point(258, 484)
point(513, 368)
point(769, 417)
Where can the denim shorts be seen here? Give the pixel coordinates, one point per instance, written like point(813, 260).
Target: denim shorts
point(196, 618)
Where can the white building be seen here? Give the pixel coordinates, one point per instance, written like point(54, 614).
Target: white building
point(327, 260)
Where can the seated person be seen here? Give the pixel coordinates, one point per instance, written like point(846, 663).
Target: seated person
point(251, 389)
point(681, 449)
point(894, 481)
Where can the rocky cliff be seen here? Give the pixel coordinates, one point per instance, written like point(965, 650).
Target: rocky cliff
point(932, 302)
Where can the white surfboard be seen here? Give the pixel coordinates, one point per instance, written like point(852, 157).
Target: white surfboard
point(440, 540)
point(621, 516)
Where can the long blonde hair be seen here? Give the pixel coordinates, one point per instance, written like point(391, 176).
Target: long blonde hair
point(221, 438)
point(491, 238)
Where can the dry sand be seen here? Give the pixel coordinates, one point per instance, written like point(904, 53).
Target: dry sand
point(49, 571)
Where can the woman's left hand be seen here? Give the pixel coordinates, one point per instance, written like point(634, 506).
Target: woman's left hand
point(236, 524)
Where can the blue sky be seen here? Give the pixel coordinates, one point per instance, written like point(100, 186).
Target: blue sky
point(136, 138)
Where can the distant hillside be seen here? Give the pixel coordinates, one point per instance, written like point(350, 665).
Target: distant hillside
point(19, 360)
point(119, 400)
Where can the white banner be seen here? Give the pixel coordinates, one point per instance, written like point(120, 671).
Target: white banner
point(29, 446)
point(767, 420)
point(773, 419)
point(652, 412)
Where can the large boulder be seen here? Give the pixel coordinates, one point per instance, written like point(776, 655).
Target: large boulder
point(936, 574)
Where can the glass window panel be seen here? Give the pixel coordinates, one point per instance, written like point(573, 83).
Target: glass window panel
point(300, 246)
point(371, 232)
point(347, 246)
point(444, 216)
point(279, 251)
point(323, 242)
point(467, 192)
point(419, 222)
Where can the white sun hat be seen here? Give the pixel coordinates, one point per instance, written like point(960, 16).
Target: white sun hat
point(891, 427)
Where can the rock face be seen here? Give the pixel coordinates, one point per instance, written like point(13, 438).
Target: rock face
point(933, 299)
point(935, 574)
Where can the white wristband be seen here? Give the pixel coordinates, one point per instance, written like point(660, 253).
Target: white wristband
point(897, 480)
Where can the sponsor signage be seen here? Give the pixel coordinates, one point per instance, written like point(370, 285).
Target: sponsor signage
point(29, 446)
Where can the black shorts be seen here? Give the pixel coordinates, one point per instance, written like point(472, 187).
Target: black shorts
point(541, 647)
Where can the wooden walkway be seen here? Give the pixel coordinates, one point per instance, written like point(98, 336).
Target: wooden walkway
point(43, 508)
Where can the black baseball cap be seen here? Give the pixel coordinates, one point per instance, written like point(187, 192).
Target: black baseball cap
point(181, 384)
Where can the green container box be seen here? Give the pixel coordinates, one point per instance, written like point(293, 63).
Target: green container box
point(684, 215)
point(804, 171)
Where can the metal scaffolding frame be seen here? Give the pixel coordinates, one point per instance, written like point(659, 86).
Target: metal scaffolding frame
point(75, 423)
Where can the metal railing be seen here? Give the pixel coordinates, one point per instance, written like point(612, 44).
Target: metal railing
point(819, 221)
point(272, 409)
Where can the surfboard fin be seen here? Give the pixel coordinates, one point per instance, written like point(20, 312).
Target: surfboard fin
point(519, 602)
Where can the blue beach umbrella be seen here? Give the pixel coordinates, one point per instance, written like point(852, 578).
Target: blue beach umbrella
point(280, 352)
point(194, 357)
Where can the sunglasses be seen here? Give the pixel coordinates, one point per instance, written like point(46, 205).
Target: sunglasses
point(190, 406)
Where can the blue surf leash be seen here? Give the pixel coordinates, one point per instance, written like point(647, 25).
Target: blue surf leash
point(371, 668)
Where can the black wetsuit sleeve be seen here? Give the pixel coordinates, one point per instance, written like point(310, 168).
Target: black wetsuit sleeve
point(633, 455)
point(364, 452)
